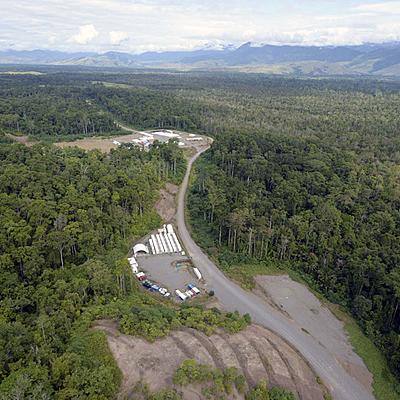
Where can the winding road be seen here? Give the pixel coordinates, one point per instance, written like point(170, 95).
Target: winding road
point(341, 385)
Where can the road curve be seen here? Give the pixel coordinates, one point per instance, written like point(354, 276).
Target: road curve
point(341, 385)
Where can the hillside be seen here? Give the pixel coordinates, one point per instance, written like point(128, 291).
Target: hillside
point(256, 353)
point(368, 59)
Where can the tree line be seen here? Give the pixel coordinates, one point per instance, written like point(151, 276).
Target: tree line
point(51, 111)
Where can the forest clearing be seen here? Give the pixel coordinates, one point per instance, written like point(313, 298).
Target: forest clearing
point(106, 144)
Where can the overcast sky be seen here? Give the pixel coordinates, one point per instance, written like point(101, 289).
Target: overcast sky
point(141, 25)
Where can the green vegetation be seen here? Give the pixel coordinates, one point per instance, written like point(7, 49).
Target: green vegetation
point(217, 384)
point(261, 392)
point(220, 383)
point(302, 173)
point(314, 186)
point(384, 383)
point(66, 219)
point(51, 112)
point(244, 272)
point(155, 322)
point(142, 392)
point(346, 246)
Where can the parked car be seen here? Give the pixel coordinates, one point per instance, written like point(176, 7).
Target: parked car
point(141, 276)
point(155, 288)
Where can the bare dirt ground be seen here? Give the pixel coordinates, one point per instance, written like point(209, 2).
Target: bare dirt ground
point(256, 352)
point(24, 139)
point(296, 301)
point(105, 144)
point(166, 204)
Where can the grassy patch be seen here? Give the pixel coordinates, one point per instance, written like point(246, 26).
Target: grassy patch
point(244, 273)
point(385, 385)
point(22, 73)
point(73, 137)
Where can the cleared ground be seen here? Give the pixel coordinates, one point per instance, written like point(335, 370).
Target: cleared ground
point(168, 270)
point(23, 139)
point(106, 144)
point(166, 204)
point(296, 301)
point(22, 73)
point(256, 352)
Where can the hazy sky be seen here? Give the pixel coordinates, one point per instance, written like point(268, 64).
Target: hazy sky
point(140, 25)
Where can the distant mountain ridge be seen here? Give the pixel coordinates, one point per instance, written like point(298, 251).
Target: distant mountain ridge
point(376, 59)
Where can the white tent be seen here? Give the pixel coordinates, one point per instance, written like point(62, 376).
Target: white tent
point(140, 248)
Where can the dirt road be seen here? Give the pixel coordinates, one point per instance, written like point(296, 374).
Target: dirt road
point(233, 297)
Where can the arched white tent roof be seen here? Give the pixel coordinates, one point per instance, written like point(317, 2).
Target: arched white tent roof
point(140, 248)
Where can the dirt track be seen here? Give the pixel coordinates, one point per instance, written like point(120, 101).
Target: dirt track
point(256, 352)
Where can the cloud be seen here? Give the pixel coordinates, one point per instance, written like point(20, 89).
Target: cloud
point(387, 7)
point(86, 34)
point(118, 37)
point(52, 39)
point(141, 25)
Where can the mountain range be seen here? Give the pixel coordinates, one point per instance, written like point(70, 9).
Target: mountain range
point(367, 59)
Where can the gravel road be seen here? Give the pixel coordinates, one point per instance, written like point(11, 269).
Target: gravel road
point(341, 385)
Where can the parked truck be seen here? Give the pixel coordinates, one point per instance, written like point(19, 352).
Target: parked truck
point(197, 273)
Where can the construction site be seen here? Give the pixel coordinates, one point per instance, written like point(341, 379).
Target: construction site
point(161, 265)
point(141, 139)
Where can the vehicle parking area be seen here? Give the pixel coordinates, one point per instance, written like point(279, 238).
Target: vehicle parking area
point(170, 270)
point(162, 266)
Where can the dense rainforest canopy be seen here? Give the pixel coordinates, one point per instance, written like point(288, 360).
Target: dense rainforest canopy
point(66, 217)
point(302, 172)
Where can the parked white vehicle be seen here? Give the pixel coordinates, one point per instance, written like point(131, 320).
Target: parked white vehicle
point(197, 273)
point(182, 296)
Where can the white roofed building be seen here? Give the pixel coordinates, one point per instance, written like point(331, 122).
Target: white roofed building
point(140, 248)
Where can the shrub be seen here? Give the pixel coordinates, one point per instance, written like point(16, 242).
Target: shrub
point(192, 372)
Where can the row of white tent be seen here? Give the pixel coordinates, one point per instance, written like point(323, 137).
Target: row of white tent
point(165, 241)
point(134, 265)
